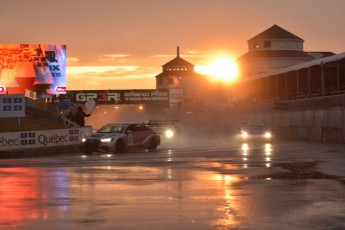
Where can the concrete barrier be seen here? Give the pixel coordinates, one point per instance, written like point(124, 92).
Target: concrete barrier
point(42, 142)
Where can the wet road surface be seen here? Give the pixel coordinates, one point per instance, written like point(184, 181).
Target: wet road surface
point(202, 184)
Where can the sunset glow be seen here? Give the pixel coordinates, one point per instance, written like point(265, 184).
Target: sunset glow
point(133, 37)
point(107, 77)
point(221, 69)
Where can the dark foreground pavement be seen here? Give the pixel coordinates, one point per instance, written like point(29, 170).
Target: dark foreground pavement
point(199, 184)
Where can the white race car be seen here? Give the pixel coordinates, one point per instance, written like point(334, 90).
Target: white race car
point(259, 131)
point(167, 129)
point(119, 137)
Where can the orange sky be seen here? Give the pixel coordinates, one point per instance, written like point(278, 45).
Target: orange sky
point(122, 44)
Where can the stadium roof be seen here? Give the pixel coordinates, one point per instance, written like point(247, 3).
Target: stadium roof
point(301, 66)
point(275, 32)
point(276, 54)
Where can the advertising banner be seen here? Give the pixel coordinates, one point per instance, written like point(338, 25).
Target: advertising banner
point(44, 138)
point(176, 96)
point(12, 105)
point(148, 96)
point(35, 67)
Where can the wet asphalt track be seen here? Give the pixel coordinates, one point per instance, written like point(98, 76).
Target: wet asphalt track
point(199, 184)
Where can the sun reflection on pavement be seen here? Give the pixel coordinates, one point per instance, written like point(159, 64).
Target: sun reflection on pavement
point(246, 149)
point(229, 208)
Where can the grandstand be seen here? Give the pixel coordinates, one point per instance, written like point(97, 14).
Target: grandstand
point(319, 82)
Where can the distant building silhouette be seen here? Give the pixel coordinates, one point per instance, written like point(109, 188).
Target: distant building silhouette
point(179, 74)
point(277, 68)
point(272, 49)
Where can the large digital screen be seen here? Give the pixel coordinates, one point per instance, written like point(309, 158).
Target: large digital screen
point(35, 67)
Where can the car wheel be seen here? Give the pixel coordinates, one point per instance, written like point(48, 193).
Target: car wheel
point(120, 146)
point(153, 144)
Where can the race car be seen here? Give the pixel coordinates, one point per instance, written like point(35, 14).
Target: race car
point(120, 137)
point(167, 129)
point(259, 131)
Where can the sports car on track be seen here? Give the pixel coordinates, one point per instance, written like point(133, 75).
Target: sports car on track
point(167, 129)
point(260, 131)
point(119, 137)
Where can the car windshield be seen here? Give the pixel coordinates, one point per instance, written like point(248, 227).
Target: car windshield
point(256, 127)
point(112, 129)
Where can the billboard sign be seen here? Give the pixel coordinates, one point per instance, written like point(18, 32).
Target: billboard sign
point(176, 96)
point(12, 105)
point(35, 67)
point(42, 138)
point(146, 96)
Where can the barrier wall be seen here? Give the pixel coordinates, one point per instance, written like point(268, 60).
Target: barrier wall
point(42, 141)
point(326, 124)
point(318, 125)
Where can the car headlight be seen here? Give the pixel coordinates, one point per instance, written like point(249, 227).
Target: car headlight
point(268, 135)
point(169, 133)
point(104, 140)
point(83, 139)
point(244, 134)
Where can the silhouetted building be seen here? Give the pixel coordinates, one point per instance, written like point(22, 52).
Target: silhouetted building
point(179, 76)
point(276, 68)
point(272, 49)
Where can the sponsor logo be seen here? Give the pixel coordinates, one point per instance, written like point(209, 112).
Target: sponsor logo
point(8, 142)
point(53, 139)
point(98, 96)
point(74, 135)
point(60, 89)
point(29, 139)
point(2, 89)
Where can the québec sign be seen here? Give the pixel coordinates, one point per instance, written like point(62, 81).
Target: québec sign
point(45, 138)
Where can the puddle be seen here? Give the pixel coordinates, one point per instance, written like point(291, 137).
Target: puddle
point(299, 170)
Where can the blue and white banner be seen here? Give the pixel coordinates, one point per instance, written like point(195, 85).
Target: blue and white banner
point(12, 105)
point(43, 138)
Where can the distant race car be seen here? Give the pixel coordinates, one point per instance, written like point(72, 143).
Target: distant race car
point(119, 137)
point(167, 129)
point(259, 131)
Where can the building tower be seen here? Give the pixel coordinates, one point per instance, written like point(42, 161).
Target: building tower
point(179, 74)
point(272, 49)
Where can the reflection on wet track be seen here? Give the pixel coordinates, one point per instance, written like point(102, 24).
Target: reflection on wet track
point(267, 152)
point(213, 185)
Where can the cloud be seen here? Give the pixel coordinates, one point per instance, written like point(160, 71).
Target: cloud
point(72, 60)
point(110, 77)
point(99, 71)
point(188, 54)
point(111, 57)
point(112, 83)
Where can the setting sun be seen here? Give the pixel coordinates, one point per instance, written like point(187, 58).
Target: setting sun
point(221, 69)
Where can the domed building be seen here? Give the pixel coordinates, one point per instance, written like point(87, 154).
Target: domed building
point(272, 49)
point(277, 68)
